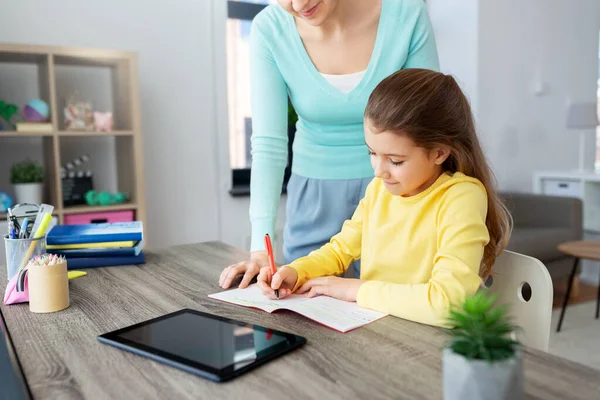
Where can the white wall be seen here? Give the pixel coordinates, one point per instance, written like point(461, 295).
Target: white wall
point(174, 42)
point(456, 27)
point(503, 53)
point(529, 45)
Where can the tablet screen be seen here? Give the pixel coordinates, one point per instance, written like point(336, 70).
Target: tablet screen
point(202, 340)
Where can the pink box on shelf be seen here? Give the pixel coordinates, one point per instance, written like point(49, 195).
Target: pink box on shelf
point(98, 217)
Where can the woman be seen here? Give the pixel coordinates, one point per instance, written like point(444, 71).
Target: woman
point(327, 55)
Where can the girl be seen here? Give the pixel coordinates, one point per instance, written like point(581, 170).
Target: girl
point(431, 223)
point(327, 56)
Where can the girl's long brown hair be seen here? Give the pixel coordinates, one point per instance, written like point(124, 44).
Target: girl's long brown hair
point(431, 109)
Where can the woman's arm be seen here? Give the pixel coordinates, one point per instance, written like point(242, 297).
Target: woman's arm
point(269, 135)
point(422, 52)
point(462, 235)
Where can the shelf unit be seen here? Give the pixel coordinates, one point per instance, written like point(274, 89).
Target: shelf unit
point(52, 74)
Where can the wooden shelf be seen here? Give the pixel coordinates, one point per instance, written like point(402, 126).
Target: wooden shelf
point(28, 134)
point(95, 134)
point(58, 72)
point(87, 209)
point(67, 133)
point(19, 56)
point(91, 59)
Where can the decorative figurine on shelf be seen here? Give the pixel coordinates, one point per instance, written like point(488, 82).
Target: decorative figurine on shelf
point(7, 111)
point(6, 202)
point(78, 116)
point(105, 198)
point(103, 121)
point(36, 110)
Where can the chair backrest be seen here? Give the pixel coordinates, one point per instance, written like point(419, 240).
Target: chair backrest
point(515, 276)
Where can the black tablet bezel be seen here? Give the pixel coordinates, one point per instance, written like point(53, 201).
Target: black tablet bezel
point(196, 368)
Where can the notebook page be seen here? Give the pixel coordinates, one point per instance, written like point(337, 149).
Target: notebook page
point(337, 314)
point(252, 296)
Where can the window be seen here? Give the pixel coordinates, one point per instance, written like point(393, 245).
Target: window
point(240, 15)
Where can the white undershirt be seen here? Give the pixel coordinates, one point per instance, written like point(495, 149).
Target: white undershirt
point(344, 83)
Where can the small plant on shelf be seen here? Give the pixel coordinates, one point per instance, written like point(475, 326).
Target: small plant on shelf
point(26, 172)
point(27, 178)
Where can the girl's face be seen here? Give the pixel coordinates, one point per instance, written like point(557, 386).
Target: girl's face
point(314, 12)
point(404, 168)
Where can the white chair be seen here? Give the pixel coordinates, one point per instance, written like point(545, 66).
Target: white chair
point(512, 273)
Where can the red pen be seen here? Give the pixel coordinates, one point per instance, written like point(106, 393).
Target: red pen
point(271, 259)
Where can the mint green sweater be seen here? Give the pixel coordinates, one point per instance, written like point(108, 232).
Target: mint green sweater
point(329, 141)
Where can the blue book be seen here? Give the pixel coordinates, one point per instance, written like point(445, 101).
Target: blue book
point(95, 233)
point(101, 251)
point(94, 262)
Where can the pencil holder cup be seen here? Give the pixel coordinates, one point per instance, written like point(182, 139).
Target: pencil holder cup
point(48, 287)
point(20, 251)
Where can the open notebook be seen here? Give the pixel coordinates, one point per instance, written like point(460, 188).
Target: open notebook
point(340, 315)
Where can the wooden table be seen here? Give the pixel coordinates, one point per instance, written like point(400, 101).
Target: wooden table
point(390, 358)
point(580, 250)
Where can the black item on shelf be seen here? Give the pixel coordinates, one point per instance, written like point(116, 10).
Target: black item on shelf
point(75, 188)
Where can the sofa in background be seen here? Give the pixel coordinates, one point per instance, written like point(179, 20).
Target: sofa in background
point(541, 222)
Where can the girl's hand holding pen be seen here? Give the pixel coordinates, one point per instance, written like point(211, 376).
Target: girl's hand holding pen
point(285, 279)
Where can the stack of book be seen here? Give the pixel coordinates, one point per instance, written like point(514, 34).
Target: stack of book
point(98, 245)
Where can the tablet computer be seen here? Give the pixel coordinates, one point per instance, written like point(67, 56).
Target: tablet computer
point(210, 346)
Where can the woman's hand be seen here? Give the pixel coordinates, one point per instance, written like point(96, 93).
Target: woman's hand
point(332, 286)
point(250, 269)
point(285, 279)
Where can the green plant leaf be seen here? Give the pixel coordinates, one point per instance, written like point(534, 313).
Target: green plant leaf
point(481, 329)
point(7, 110)
point(292, 115)
point(465, 348)
point(500, 354)
point(26, 172)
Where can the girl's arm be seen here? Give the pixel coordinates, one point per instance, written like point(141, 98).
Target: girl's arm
point(462, 235)
point(269, 101)
point(422, 52)
point(335, 257)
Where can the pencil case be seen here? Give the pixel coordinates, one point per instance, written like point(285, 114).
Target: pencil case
point(17, 290)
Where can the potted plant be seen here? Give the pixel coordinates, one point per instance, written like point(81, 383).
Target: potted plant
point(481, 360)
point(27, 178)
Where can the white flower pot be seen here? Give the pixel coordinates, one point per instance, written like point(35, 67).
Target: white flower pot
point(28, 193)
point(480, 380)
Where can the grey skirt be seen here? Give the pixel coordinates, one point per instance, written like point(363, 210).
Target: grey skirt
point(316, 210)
